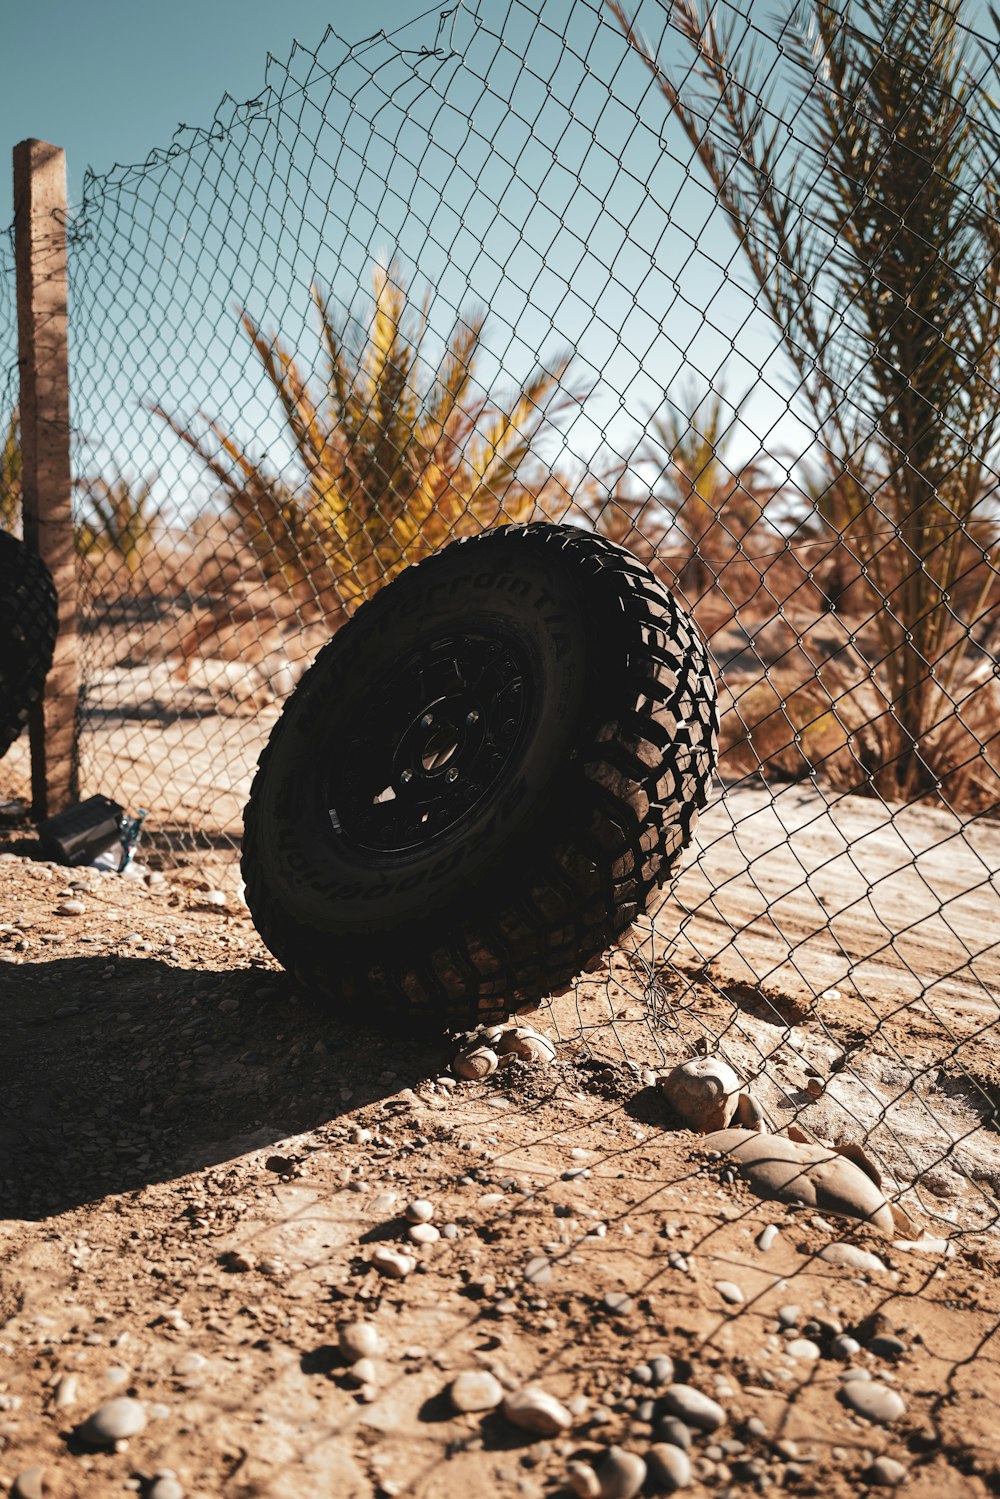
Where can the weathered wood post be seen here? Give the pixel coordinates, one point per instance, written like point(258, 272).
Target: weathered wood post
point(46, 486)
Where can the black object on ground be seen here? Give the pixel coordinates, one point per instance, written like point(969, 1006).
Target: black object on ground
point(79, 834)
point(482, 779)
point(28, 625)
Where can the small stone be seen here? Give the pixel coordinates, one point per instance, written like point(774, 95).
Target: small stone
point(424, 1233)
point(392, 1262)
point(213, 897)
point(420, 1211)
point(669, 1467)
point(538, 1271)
point(527, 1044)
point(730, 1292)
point(477, 1062)
point(359, 1340)
point(166, 1487)
point(661, 1367)
point(766, 1237)
point(30, 1484)
point(115, 1421)
point(621, 1474)
point(851, 1257)
point(803, 1348)
point(641, 1374)
point(749, 1113)
point(70, 908)
point(675, 1433)
point(876, 1402)
point(885, 1345)
point(584, 1482)
point(475, 1390)
point(66, 1392)
point(362, 1372)
point(618, 1303)
point(844, 1346)
point(703, 1091)
point(535, 1410)
point(886, 1472)
point(692, 1407)
point(789, 1316)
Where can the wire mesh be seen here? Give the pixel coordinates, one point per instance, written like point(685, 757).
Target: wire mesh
point(723, 289)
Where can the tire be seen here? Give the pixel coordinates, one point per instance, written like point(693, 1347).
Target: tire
point(482, 779)
point(28, 624)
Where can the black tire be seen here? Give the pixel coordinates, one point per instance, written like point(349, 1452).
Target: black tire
point(28, 624)
point(583, 749)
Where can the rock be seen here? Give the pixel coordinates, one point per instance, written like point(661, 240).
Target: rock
point(362, 1372)
point(876, 1402)
point(535, 1410)
point(799, 1171)
point(521, 1041)
point(618, 1303)
point(884, 1345)
point(392, 1262)
point(475, 1390)
point(420, 1211)
point(359, 1340)
point(31, 1484)
point(802, 1348)
point(584, 1482)
point(749, 1114)
point(669, 1467)
point(851, 1257)
point(730, 1291)
point(789, 1316)
point(114, 1421)
point(69, 908)
point(476, 1062)
point(661, 1367)
point(765, 1239)
point(538, 1271)
point(166, 1486)
point(853, 1152)
point(704, 1092)
point(673, 1432)
point(692, 1407)
point(66, 1392)
point(424, 1233)
point(844, 1346)
point(886, 1472)
point(621, 1474)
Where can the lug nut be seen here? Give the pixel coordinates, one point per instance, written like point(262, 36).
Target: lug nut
point(427, 720)
point(406, 777)
point(452, 774)
point(471, 718)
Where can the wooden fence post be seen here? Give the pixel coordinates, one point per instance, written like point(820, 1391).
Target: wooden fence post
point(46, 485)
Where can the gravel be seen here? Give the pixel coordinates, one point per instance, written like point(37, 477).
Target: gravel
point(876, 1402)
point(692, 1407)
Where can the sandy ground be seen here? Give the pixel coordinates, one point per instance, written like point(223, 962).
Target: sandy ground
point(197, 1166)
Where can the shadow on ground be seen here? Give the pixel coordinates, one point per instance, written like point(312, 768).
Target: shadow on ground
point(120, 1072)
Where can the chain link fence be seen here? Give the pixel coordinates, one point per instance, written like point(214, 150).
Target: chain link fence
point(719, 285)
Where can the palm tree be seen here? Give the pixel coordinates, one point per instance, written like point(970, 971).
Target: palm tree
point(864, 199)
point(10, 476)
point(117, 517)
point(395, 457)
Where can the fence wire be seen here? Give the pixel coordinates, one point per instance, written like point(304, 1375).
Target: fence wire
point(719, 285)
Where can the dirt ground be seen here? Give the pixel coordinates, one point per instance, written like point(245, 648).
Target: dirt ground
point(196, 1167)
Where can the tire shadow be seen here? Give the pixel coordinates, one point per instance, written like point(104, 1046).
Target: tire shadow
point(116, 1073)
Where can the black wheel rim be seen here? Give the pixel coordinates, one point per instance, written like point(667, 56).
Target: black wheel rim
point(430, 741)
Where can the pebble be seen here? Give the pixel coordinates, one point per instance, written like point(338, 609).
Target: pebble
point(424, 1233)
point(420, 1211)
point(478, 1062)
point(874, 1401)
point(621, 1474)
point(392, 1262)
point(30, 1484)
point(70, 908)
point(766, 1237)
point(535, 1410)
point(703, 1091)
point(661, 1367)
point(166, 1486)
point(362, 1372)
point(584, 1481)
point(885, 1345)
point(851, 1257)
point(669, 1467)
point(618, 1303)
point(475, 1390)
point(692, 1407)
point(521, 1041)
point(67, 1391)
point(844, 1346)
point(538, 1270)
point(213, 897)
point(749, 1113)
point(114, 1421)
point(886, 1472)
point(673, 1432)
point(802, 1348)
point(730, 1292)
